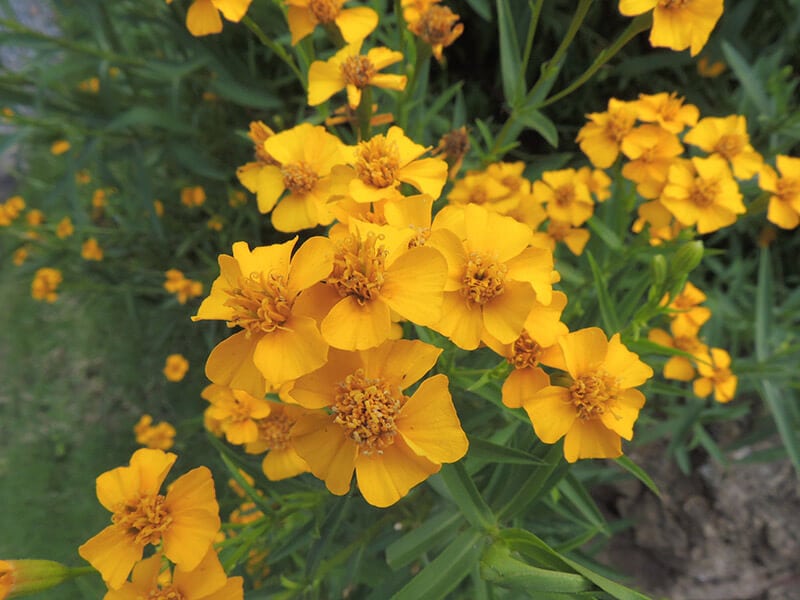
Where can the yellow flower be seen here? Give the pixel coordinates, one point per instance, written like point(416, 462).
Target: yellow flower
point(392, 441)
point(677, 24)
point(784, 200)
point(45, 283)
point(437, 26)
point(566, 196)
point(600, 139)
point(236, 411)
point(686, 307)
point(597, 181)
point(192, 196)
point(574, 238)
point(493, 276)
point(215, 223)
point(91, 250)
point(206, 581)
point(727, 137)
point(64, 229)
point(175, 367)
point(376, 274)
point(183, 288)
point(662, 226)
point(301, 161)
point(59, 147)
point(20, 255)
point(275, 438)
point(34, 217)
point(203, 18)
point(257, 290)
point(185, 521)
point(599, 406)
point(480, 187)
point(708, 69)
point(651, 150)
point(703, 192)
point(667, 110)
point(716, 376)
point(354, 24)
point(382, 163)
point(26, 577)
point(158, 437)
point(684, 337)
point(543, 327)
point(91, 85)
point(349, 69)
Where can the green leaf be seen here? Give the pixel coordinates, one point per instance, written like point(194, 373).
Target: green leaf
point(447, 570)
point(499, 567)
point(464, 493)
point(484, 450)
point(510, 57)
point(540, 481)
point(533, 119)
point(607, 310)
point(482, 8)
point(143, 116)
point(605, 233)
point(576, 493)
point(640, 474)
point(433, 532)
point(748, 79)
point(329, 529)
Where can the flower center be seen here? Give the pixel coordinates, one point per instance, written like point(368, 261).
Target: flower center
point(273, 431)
point(261, 304)
point(730, 145)
point(787, 188)
point(299, 178)
point(435, 26)
point(564, 195)
point(325, 11)
point(358, 267)
point(619, 124)
point(558, 230)
point(422, 234)
point(366, 408)
point(358, 71)
point(144, 520)
point(704, 192)
point(687, 343)
point(672, 4)
point(483, 279)
point(526, 352)
point(167, 593)
point(377, 162)
point(590, 394)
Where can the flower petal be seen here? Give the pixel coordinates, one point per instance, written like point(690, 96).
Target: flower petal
point(113, 553)
point(231, 364)
point(625, 365)
point(297, 348)
point(329, 452)
point(352, 326)
point(551, 412)
point(414, 284)
point(584, 350)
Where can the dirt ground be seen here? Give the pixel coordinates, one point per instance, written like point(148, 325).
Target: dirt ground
point(721, 533)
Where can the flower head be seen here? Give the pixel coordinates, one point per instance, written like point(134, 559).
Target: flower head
point(45, 283)
point(716, 376)
point(236, 411)
point(599, 405)
point(175, 367)
point(64, 229)
point(601, 137)
point(437, 26)
point(203, 18)
point(392, 441)
point(727, 137)
point(784, 200)
point(185, 521)
point(91, 250)
point(354, 24)
point(183, 288)
point(159, 437)
point(567, 197)
point(276, 439)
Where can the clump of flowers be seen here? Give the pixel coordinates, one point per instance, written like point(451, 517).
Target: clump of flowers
point(160, 436)
point(184, 289)
point(45, 284)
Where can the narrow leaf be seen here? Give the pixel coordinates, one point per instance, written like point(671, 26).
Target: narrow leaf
point(607, 310)
point(466, 496)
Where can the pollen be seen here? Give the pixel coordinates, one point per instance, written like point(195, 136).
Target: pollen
point(483, 279)
point(325, 11)
point(788, 188)
point(145, 519)
point(358, 267)
point(591, 394)
point(730, 145)
point(526, 352)
point(619, 124)
point(564, 195)
point(274, 431)
point(704, 192)
point(358, 71)
point(377, 162)
point(367, 408)
point(261, 303)
point(299, 178)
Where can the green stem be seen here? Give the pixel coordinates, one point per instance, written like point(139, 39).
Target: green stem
point(536, 10)
point(279, 50)
point(424, 53)
point(334, 34)
point(364, 114)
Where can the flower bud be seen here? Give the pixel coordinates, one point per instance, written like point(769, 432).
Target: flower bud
point(22, 577)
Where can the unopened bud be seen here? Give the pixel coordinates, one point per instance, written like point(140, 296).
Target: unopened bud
point(23, 577)
point(686, 259)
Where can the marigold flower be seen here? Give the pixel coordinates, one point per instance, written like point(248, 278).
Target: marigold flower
point(275, 437)
point(651, 150)
point(175, 367)
point(83, 177)
point(706, 68)
point(183, 288)
point(727, 137)
point(686, 307)
point(703, 192)
point(392, 441)
point(203, 18)
point(206, 581)
point(193, 196)
point(64, 229)
point(566, 196)
point(383, 162)
point(350, 70)
point(662, 226)
point(600, 139)
point(479, 187)
point(186, 520)
point(684, 337)
point(236, 411)
point(600, 406)
point(784, 200)
point(493, 276)
point(716, 376)
point(375, 274)
point(35, 217)
point(20, 255)
point(303, 160)
point(354, 24)
point(158, 437)
point(59, 147)
point(677, 24)
point(91, 250)
point(667, 110)
point(437, 26)
point(574, 238)
point(45, 283)
point(257, 291)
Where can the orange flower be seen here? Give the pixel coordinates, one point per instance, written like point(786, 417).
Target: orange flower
point(437, 26)
point(684, 337)
point(64, 229)
point(716, 376)
point(186, 520)
point(175, 367)
point(686, 307)
point(203, 18)
point(91, 250)
point(392, 441)
point(183, 288)
point(727, 137)
point(257, 291)
point(354, 24)
point(191, 196)
point(275, 438)
point(566, 196)
point(60, 147)
point(45, 283)
point(651, 150)
point(236, 411)
point(349, 69)
point(784, 200)
point(159, 437)
point(600, 139)
point(574, 238)
point(667, 110)
point(599, 406)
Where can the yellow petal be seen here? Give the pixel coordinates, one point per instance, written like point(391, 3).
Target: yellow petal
point(301, 22)
point(202, 18)
point(233, 10)
point(625, 365)
point(679, 368)
point(551, 413)
point(631, 8)
point(295, 213)
point(382, 57)
point(385, 478)
point(504, 315)
point(329, 452)
point(205, 579)
point(318, 389)
point(231, 364)
point(622, 414)
point(269, 187)
point(584, 350)
point(429, 424)
point(414, 284)
point(311, 263)
point(401, 362)
point(351, 326)
point(283, 463)
point(389, 81)
point(591, 439)
point(461, 321)
point(356, 23)
point(324, 80)
point(297, 348)
point(428, 175)
point(522, 384)
point(113, 553)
